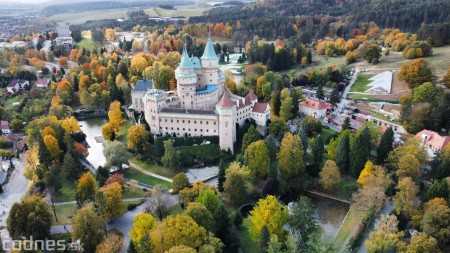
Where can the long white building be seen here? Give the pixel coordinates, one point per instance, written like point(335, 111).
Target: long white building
point(201, 105)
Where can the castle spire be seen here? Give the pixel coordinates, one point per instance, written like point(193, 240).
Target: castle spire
point(209, 53)
point(186, 62)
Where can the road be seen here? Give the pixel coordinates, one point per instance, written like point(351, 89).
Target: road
point(344, 101)
point(13, 192)
point(149, 173)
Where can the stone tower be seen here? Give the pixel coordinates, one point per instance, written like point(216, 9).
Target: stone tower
point(227, 122)
point(186, 81)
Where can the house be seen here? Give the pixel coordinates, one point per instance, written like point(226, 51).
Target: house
point(42, 83)
point(315, 108)
point(432, 141)
point(17, 84)
point(4, 127)
point(138, 92)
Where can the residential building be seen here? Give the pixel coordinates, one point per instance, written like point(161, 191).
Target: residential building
point(17, 84)
point(315, 108)
point(42, 83)
point(4, 127)
point(201, 105)
point(432, 141)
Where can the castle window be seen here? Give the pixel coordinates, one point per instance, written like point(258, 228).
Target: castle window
point(201, 122)
point(210, 74)
point(171, 128)
point(183, 121)
point(195, 122)
point(171, 120)
point(178, 121)
point(214, 122)
point(189, 129)
point(183, 129)
point(207, 122)
point(201, 130)
point(189, 122)
point(178, 129)
point(195, 130)
point(207, 130)
point(214, 131)
point(166, 128)
point(166, 120)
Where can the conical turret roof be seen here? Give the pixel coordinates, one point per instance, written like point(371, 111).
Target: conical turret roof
point(186, 62)
point(209, 53)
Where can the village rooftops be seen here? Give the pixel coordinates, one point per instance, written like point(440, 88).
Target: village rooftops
point(433, 139)
point(316, 104)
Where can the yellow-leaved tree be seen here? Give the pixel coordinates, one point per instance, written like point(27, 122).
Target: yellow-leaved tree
point(365, 173)
point(70, 125)
point(86, 188)
point(115, 115)
point(267, 212)
point(177, 230)
point(330, 176)
point(110, 200)
point(138, 139)
point(51, 143)
point(142, 225)
point(291, 147)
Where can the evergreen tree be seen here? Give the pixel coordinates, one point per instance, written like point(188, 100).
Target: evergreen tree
point(346, 125)
point(251, 136)
point(264, 239)
point(102, 175)
point(221, 176)
point(342, 153)
point(70, 168)
point(238, 219)
point(317, 152)
point(319, 93)
point(303, 133)
point(334, 97)
point(359, 153)
point(385, 145)
point(224, 229)
point(131, 247)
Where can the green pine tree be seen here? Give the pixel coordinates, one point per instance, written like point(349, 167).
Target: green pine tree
point(317, 152)
point(342, 153)
point(221, 176)
point(346, 125)
point(385, 145)
point(359, 153)
point(264, 239)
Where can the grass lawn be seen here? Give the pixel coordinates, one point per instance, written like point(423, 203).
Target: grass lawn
point(360, 96)
point(361, 83)
point(319, 61)
point(67, 189)
point(135, 193)
point(352, 220)
point(247, 244)
point(64, 213)
point(342, 192)
point(176, 209)
point(151, 167)
point(124, 131)
point(131, 173)
point(326, 133)
point(88, 44)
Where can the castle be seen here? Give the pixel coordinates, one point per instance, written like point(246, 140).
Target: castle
point(201, 105)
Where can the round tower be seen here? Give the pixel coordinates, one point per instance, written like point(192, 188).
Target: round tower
point(186, 81)
point(227, 123)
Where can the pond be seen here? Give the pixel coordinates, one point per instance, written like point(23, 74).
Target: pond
point(93, 127)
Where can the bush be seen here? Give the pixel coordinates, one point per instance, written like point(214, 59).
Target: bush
point(131, 206)
point(270, 186)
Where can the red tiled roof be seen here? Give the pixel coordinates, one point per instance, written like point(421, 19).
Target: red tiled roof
point(260, 107)
point(225, 101)
point(251, 96)
point(434, 139)
point(314, 104)
point(42, 81)
point(4, 124)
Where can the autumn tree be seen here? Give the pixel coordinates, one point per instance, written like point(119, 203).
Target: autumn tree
point(110, 244)
point(436, 220)
point(70, 168)
point(109, 200)
point(447, 79)
point(209, 199)
point(142, 225)
point(422, 243)
point(234, 187)
point(330, 176)
point(116, 154)
point(256, 158)
point(201, 215)
point(159, 201)
point(51, 143)
point(291, 146)
point(372, 54)
point(177, 230)
point(170, 158)
point(278, 128)
point(415, 73)
point(86, 189)
point(115, 115)
point(138, 139)
point(286, 109)
point(267, 212)
point(179, 182)
point(189, 194)
point(385, 237)
point(408, 166)
point(359, 152)
point(181, 249)
point(29, 218)
point(365, 174)
point(405, 200)
point(88, 227)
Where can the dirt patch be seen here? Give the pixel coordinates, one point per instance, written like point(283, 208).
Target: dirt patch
point(397, 85)
point(392, 97)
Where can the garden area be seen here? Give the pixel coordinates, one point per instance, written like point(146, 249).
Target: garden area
point(361, 83)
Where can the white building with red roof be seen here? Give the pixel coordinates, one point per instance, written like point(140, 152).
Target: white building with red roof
point(315, 108)
point(432, 141)
point(201, 105)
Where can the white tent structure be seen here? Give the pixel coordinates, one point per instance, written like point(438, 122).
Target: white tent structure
point(381, 83)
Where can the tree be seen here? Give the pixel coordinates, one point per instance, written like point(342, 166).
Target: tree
point(179, 182)
point(16, 125)
point(317, 152)
point(116, 154)
point(70, 168)
point(286, 109)
point(220, 176)
point(267, 212)
point(181, 249)
point(209, 199)
point(385, 237)
point(447, 79)
point(51, 143)
point(188, 195)
point(115, 115)
point(234, 188)
point(436, 220)
point(278, 128)
point(330, 176)
point(110, 244)
point(87, 227)
point(408, 166)
point(346, 125)
point(405, 200)
point(422, 243)
point(138, 139)
point(177, 230)
point(302, 219)
point(251, 136)
point(142, 225)
point(291, 146)
point(53, 187)
point(372, 54)
point(29, 218)
point(86, 189)
point(385, 145)
point(343, 152)
point(159, 201)
point(274, 103)
point(439, 189)
point(102, 175)
point(201, 215)
point(110, 200)
point(109, 132)
point(170, 158)
point(224, 229)
point(256, 158)
point(415, 73)
point(264, 239)
point(365, 174)
point(359, 153)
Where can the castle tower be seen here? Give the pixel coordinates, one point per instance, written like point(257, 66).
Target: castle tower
point(186, 81)
point(210, 65)
point(227, 122)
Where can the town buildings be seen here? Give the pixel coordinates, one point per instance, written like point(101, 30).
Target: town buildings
point(201, 105)
point(432, 141)
point(314, 108)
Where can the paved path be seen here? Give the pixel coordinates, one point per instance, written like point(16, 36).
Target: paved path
point(387, 209)
point(13, 192)
point(74, 202)
point(149, 173)
point(344, 101)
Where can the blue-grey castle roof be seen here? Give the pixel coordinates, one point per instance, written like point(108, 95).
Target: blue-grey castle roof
point(143, 85)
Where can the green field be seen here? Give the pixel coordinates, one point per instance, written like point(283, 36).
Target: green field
point(89, 44)
point(361, 83)
point(131, 173)
point(64, 214)
point(153, 168)
point(124, 131)
point(360, 96)
point(326, 133)
point(353, 218)
point(319, 61)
